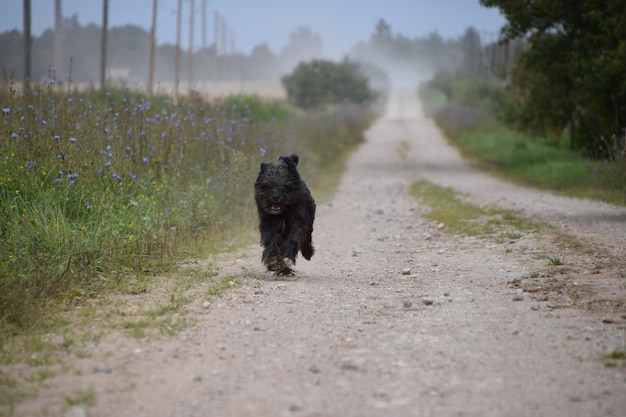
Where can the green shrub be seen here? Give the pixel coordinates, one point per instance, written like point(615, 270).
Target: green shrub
point(320, 83)
point(251, 106)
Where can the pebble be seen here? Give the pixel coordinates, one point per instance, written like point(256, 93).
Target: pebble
point(440, 226)
point(206, 304)
point(406, 271)
point(407, 304)
point(518, 297)
point(102, 370)
point(428, 301)
point(349, 364)
point(75, 411)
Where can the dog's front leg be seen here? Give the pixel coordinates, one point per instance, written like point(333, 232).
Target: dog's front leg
point(271, 232)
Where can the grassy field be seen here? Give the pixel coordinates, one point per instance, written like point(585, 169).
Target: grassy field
point(95, 185)
point(534, 161)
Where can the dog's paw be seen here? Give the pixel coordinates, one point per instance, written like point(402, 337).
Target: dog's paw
point(307, 252)
point(276, 265)
point(288, 263)
point(285, 272)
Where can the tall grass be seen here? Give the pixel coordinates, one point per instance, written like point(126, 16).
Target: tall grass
point(93, 183)
point(478, 118)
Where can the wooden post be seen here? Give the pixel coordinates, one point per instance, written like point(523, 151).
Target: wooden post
point(103, 44)
point(27, 45)
point(152, 47)
point(58, 40)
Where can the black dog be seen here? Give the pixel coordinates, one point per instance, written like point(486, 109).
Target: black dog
point(286, 213)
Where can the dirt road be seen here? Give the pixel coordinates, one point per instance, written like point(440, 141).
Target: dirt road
point(392, 317)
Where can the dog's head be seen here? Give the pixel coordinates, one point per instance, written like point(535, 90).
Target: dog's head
point(278, 185)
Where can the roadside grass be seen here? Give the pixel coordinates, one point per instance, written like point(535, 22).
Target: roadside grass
point(106, 196)
point(614, 359)
point(474, 117)
point(99, 185)
point(461, 217)
point(402, 148)
point(535, 162)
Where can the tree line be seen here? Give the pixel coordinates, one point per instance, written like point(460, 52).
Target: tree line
point(570, 79)
point(128, 57)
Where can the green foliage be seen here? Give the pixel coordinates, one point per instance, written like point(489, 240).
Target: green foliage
point(251, 106)
point(95, 184)
point(535, 161)
point(320, 83)
point(461, 217)
point(474, 117)
point(489, 96)
point(572, 73)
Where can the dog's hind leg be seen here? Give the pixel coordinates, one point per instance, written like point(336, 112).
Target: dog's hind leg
point(307, 249)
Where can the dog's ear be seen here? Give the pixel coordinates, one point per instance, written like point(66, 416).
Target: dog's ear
point(290, 163)
point(264, 166)
point(293, 158)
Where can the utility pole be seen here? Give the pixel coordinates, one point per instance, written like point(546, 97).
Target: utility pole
point(224, 67)
point(216, 42)
point(233, 63)
point(27, 44)
point(152, 47)
point(191, 17)
point(179, 12)
point(204, 24)
point(103, 44)
point(58, 40)
point(223, 34)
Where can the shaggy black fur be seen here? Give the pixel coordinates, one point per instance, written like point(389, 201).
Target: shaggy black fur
point(286, 213)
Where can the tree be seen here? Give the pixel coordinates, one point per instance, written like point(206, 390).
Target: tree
point(472, 51)
point(320, 82)
point(573, 74)
point(304, 45)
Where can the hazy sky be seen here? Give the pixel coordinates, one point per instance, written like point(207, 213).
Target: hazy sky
point(340, 23)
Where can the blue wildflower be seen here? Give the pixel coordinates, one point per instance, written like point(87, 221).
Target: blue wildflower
point(6, 110)
point(73, 140)
point(14, 135)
